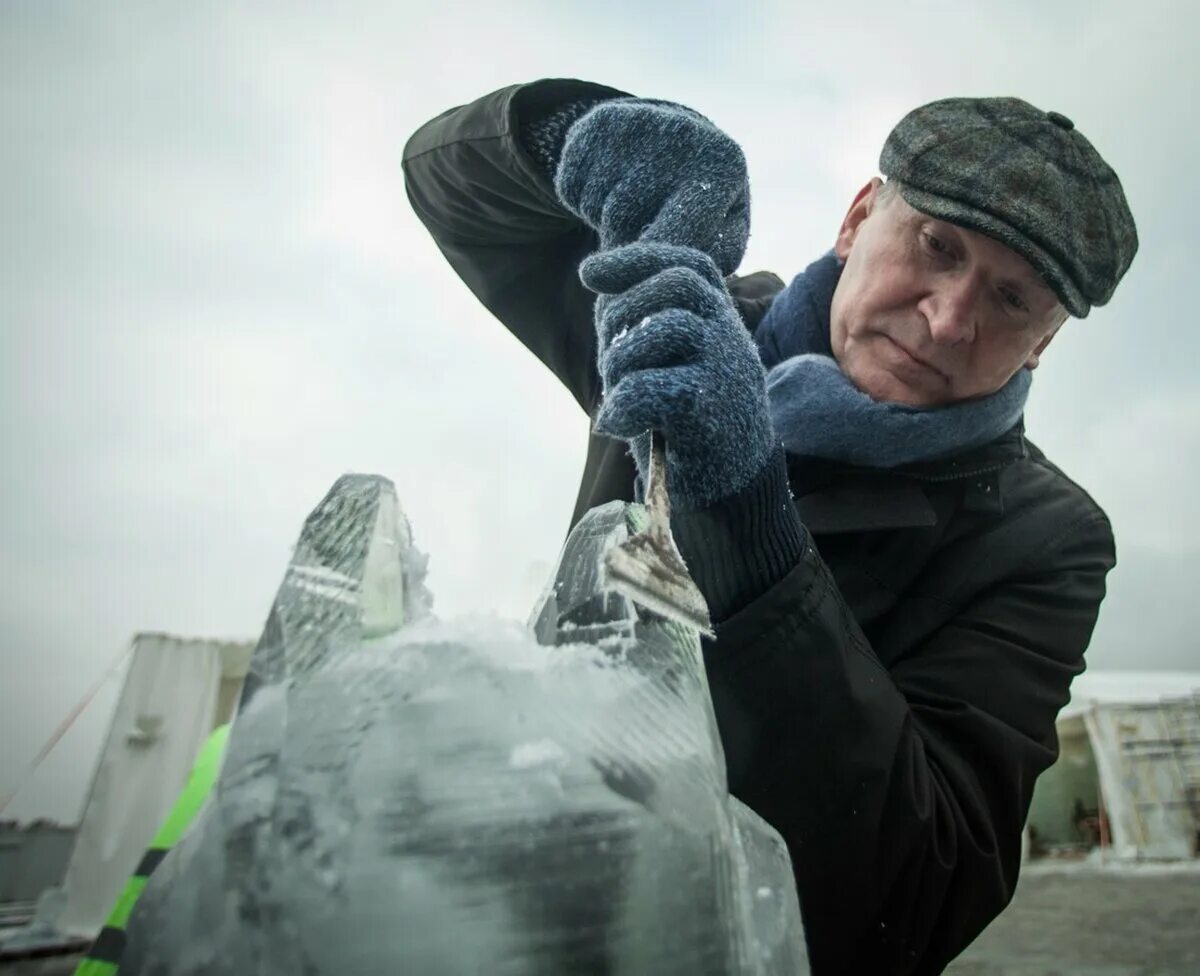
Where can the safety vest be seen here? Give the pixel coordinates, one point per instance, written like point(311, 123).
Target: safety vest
point(105, 954)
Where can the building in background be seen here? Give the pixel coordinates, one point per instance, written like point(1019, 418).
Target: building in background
point(33, 857)
point(1127, 780)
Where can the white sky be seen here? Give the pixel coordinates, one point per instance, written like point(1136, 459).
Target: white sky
point(214, 298)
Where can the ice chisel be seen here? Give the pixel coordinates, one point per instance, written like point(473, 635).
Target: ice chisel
point(648, 567)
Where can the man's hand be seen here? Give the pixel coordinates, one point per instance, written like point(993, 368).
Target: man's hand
point(638, 169)
point(675, 357)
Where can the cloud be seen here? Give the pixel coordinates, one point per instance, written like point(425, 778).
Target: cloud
point(1145, 456)
point(1151, 616)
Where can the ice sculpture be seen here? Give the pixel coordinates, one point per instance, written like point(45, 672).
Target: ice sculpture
point(406, 795)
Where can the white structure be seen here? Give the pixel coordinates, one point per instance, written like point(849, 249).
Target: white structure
point(1128, 776)
point(176, 692)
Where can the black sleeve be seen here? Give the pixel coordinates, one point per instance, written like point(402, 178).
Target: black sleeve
point(902, 794)
point(491, 208)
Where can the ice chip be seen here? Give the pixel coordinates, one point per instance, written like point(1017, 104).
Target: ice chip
point(539, 753)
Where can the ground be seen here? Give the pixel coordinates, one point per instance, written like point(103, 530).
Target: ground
point(1064, 921)
point(1085, 921)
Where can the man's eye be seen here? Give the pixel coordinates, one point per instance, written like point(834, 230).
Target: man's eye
point(935, 244)
point(1013, 299)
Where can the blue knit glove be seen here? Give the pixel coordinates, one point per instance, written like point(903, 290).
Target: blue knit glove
point(674, 356)
point(641, 169)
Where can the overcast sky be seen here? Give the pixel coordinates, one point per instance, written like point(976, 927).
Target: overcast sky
point(214, 298)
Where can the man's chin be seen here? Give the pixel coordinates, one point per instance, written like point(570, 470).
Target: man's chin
point(883, 386)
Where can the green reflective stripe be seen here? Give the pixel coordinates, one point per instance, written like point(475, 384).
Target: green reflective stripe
point(196, 790)
point(109, 946)
point(120, 913)
point(96, 967)
point(105, 954)
point(150, 860)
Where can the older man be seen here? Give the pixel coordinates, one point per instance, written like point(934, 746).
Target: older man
point(902, 585)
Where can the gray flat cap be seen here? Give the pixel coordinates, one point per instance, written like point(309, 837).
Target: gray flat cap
point(1025, 177)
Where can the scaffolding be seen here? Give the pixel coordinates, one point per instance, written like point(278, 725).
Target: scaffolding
point(1181, 720)
point(1152, 790)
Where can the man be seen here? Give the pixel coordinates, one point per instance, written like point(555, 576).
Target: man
point(902, 586)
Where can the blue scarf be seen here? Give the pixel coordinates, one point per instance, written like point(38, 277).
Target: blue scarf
point(817, 412)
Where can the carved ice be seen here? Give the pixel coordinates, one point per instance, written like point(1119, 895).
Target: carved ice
point(406, 795)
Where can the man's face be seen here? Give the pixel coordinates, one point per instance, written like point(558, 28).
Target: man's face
point(928, 313)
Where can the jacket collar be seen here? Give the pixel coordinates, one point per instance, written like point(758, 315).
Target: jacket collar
point(989, 457)
point(863, 506)
point(836, 497)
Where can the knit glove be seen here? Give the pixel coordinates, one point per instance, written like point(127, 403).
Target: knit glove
point(642, 169)
point(675, 357)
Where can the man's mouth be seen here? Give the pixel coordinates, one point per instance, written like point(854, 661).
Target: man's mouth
point(917, 360)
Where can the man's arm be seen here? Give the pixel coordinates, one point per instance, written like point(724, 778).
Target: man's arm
point(902, 794)
point(493, 212)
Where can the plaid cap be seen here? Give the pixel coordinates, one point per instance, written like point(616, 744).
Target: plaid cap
point(1024, 177)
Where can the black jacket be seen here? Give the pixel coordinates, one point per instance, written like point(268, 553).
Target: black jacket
point(889, 703)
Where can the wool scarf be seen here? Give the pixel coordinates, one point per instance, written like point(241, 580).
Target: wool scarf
point(817, 412)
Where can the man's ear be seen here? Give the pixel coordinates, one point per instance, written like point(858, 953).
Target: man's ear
point(864, 203)
point(1035, 357)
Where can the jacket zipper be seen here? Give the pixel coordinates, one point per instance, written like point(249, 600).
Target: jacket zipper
point(961, 475)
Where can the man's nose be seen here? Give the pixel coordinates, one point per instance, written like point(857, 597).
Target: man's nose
point(951, 309)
